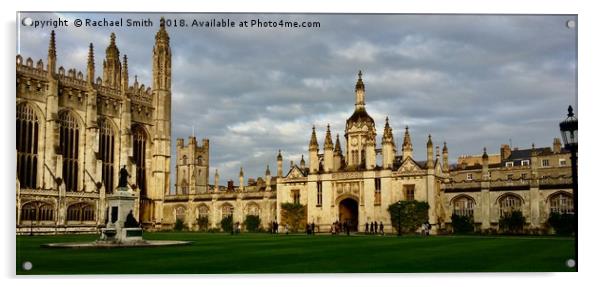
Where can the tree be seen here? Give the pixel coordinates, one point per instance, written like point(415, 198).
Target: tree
point(512, 222)
point(203, 223)
point(407, 216)
point(563, 224)
point(293, 214)
point(226, 223)
point(252, 223)
point(462, 224)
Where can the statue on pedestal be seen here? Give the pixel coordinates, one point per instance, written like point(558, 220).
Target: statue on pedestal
point(123, 178)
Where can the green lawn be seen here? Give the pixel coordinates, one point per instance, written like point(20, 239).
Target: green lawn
point(265, 253)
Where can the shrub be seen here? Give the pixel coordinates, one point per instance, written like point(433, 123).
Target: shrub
point(293, 214)
point(563, 224)
point(179, 225)
point(462, 224)
point(408, 215)
point(512, 223)
point(226, 223)
point(203, 223)
point(252, 223)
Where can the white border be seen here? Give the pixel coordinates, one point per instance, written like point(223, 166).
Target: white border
point(590, 144)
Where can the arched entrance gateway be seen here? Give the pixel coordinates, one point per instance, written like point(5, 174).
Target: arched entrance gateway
point(348, 213)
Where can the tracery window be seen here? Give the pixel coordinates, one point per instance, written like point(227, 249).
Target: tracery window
point(80, 212)
point(37, 211)
point(69, 130)
point(464, 206)
point(27, 146)
point(561, 203)
point(227, 210)
point(139, 144)
point(106, 149)
point(510, 203)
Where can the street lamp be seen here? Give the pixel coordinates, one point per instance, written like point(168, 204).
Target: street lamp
point(568, 130)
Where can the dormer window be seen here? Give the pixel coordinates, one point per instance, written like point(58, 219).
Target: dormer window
point(524, 162)
point(509, 164)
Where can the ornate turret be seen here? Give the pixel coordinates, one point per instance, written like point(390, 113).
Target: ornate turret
point(359, 130)
point(313, 152)
point(216, 182)
point(125, 79)
point(445, 158)
point(162, 59)
point(90, 66)
point(241, 179)
point(279, 162)
point(388, 146)
point(52, 55)
point(338, 154)
point(429, 153)
point(407, 148)
point(485, 167)
point(359, 92)
point(112, 66)
point(268, 179)
point(302, 162)
point(328, 151)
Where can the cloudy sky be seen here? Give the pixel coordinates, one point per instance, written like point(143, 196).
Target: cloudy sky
point(472, 80)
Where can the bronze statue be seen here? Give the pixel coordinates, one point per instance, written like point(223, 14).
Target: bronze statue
point(123, 177)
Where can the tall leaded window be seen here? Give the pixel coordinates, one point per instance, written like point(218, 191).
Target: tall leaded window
point(319, 199)
point(80, 212)
point(464, 206)
point(139, 144)
point(27, 146)
point(69, 130)
point(408, 191)
point(377, 194)
point(203, 211)
point(296, 197)
point(510, 203)
point(561, 203)
point(106, 149)
point(253, 209)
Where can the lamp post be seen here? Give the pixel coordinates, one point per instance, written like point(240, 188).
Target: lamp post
point(568, 130)
point(399, 218)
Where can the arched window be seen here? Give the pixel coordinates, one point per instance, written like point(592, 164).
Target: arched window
point(561, 203)
point(464, 206)
point(69, 131)
point(27, 146)
point(199, 160)
point(80, 212)
point(184, 160)
point(509, 203)
point(181, 213)
point(227, 210)
point(252, 209)
point(37, 211)
point(106, 149)
point(139, 144)
point(203, 211)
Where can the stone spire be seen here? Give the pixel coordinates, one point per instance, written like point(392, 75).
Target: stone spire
point(407, 148)
point(267, 170)
point(359, 93)
point(328, 140)
point(90, 67)
point(313, 142)
point(388, 133)
point(279, 164)
point(279, 156)
point(52, 54)
point(162, 60)
point(337, 146)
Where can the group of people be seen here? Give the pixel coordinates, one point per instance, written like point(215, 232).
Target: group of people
point(310, 229)
point(274, 228)
point(426, 228)
point(338, 226)
point(374, 228)
point(236, 227)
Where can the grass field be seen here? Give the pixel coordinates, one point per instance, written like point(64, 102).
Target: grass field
point(265, 253)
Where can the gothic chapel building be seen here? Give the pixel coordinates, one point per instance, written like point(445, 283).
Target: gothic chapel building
point(74, 131)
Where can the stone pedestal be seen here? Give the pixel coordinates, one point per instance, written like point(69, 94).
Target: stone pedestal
point(120, 204)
